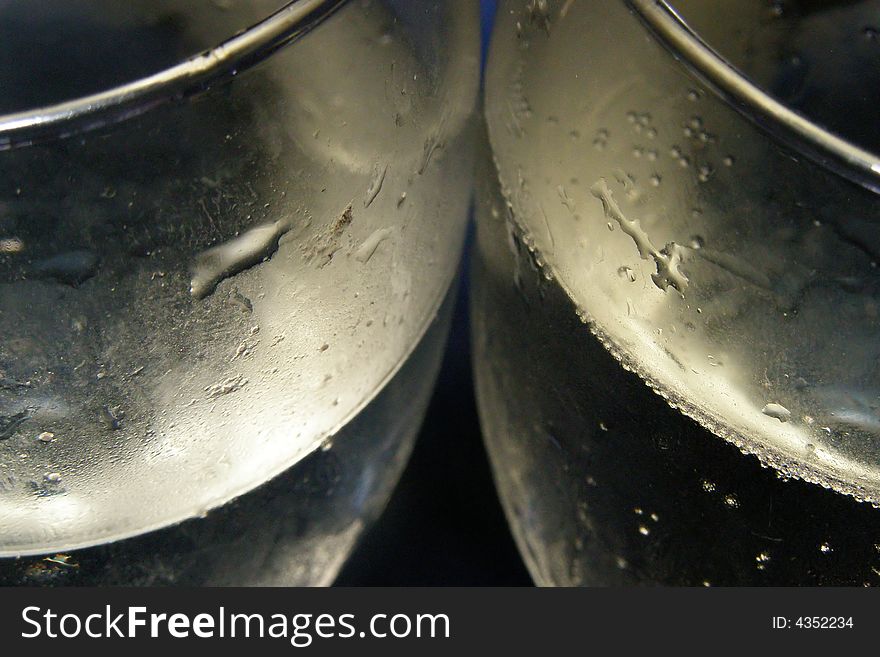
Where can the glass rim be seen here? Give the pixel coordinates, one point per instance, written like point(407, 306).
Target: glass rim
point(804, 135)
point(189, 77)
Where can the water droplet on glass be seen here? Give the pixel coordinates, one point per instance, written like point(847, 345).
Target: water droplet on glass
point(229, 385)
point(366, 250)
point(11, 245)
point(375, 185)
point(777, 411)
point(566, 199)
point(234, 256)
point(71, 267)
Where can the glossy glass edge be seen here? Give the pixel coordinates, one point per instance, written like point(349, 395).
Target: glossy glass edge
point(190, 77)
point(817, 143)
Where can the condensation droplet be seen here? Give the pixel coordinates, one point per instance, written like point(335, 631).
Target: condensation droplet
point(777, 411)
point(369, 246)
point(626, 272)
point(11, 245)
point(375, 185)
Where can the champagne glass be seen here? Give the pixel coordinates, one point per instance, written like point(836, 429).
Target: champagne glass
point(228, 233)
point(676, 296)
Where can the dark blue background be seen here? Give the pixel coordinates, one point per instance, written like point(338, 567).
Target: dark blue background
point(487, 14)
point(444, 525)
